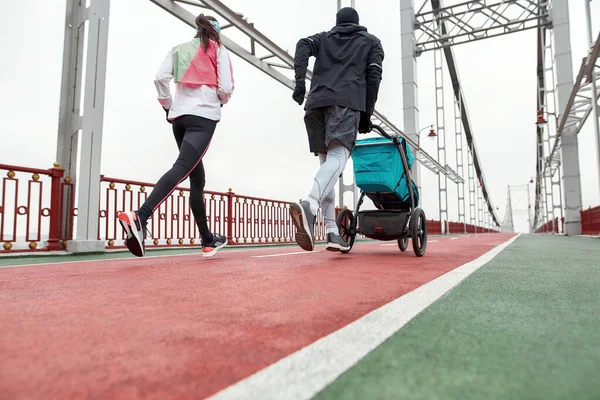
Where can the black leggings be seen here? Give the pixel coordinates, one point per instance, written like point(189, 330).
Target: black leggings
point(193, 135)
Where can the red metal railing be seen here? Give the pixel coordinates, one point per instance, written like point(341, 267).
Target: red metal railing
point(590, 221)
point(244, 219)
point(31, 206)
point(555, 226)
point(32, 202)
point(549, 227)
point(435, 228)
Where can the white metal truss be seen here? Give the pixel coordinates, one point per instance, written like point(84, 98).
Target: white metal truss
point(529, 219)
point(459, 163)
point(546, 102)
point(524, 210)
point(485, 224)
point(472, 187)
point(579, 106)
point(440, 118)
point(542, 213)
point(539, 183)
point(508, 224)
point(541, 105)
point(548, 204)
point(476, 20)
point(459, 95)
point(268, 57)
point(592, 75)
point(552, 182)
point(479, 205)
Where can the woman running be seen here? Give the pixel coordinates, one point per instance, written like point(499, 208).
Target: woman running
point(204, 82)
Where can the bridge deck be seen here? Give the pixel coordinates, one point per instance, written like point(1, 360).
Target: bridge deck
point(180, 326)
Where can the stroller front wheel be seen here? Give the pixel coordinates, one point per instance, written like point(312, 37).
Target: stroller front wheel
point(403, 243)
point(347, 227)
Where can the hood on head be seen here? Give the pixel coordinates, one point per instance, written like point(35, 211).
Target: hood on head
point(346, 15)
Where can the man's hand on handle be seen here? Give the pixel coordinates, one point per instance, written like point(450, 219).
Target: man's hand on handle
point(365, 125)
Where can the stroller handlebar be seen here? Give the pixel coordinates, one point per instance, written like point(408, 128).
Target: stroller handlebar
point(382, 132)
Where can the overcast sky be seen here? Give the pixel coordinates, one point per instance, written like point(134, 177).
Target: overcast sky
point(260, 147)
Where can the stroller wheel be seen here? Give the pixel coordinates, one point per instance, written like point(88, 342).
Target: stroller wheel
point(419, 232)
point(403, 243)
point(347, 227)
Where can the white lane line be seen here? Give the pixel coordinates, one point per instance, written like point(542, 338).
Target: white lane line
point(306, 372)
point(287, 254)
point(43, 264)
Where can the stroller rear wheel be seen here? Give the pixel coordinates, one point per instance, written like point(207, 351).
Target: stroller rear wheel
point(347, 227)
point(419, 232)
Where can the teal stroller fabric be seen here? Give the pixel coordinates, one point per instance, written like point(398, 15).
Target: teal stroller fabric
point(378, 168)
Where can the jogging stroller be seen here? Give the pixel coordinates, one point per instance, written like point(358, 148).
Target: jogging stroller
point(382, 167)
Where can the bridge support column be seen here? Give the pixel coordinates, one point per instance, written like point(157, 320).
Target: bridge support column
point(81, 117)
point(570, 146)
point(410, 88)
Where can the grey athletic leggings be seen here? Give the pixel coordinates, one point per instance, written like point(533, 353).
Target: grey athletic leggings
point(323, 190)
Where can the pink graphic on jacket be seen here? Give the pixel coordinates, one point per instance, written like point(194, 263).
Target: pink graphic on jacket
point(203, 77)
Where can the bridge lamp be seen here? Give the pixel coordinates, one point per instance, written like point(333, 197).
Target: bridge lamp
point(541, 121)
point(540, 118)
point(431, 135)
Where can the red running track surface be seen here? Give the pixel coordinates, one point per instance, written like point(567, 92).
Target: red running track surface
point(188, 327)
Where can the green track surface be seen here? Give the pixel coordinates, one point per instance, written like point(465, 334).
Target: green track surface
point(524, 326)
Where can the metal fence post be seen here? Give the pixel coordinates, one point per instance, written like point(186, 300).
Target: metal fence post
point(230, 195)
point(55, 208)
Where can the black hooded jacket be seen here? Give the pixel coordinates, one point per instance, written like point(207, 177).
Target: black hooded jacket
point(348, 67)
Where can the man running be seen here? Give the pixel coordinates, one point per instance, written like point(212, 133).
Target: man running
point(341, 101)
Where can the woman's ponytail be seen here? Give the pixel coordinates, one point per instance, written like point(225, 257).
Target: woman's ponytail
point(207, 29)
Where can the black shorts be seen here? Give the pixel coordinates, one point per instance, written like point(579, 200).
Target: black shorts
point(325, 124)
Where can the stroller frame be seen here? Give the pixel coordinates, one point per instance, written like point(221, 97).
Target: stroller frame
point(410, 219)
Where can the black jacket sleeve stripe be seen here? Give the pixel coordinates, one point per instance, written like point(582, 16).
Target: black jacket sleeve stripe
point(374, 75)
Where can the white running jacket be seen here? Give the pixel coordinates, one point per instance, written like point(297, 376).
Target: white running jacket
point(203, 80)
